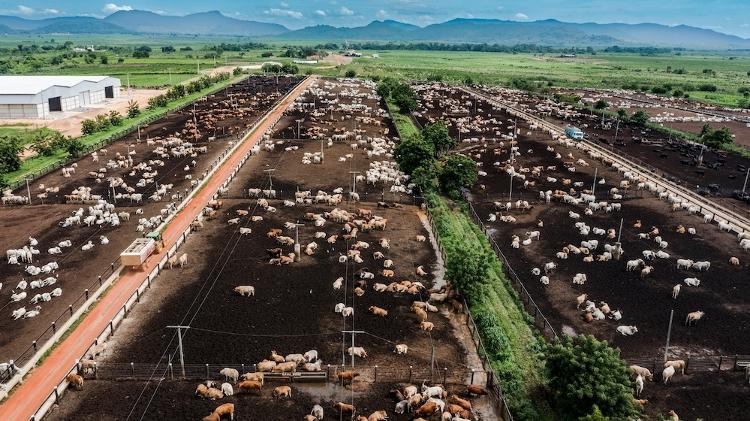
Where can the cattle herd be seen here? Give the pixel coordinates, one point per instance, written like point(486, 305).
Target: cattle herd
point(602, 250)
point(315, 263)
point(83, 215)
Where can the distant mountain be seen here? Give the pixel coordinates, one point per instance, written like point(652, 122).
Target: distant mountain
point(79, 25)
point(206, 23)
point(548, 32)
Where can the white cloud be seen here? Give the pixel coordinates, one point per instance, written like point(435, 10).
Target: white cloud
point(112, 8)
point(321, 13)
point(284, 4)
point(521, 16)
point(345, 11)
point(284, 13)
point(745, 25)
point(499, 8)
point(381, 14)
point(26, 10)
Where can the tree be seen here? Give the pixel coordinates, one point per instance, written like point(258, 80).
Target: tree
point(74, 147)
point(622, 114)
point(167, 49)
point(10, 148)
point(102, 122)
point(133, 109)
point(290, 69)
point(115, 118)
point(103, 59)
point(46, 141)
point(584, 372)
point(468, 80)
point(144, 51)
point(457, 171)
point(426, 177)
point(601, 104)
point(716, 138)
point(438, 135)
point(640, 117)
point(350, 73)
point(266, 54)
point(595, 415)
point(413, 152)
point(271, 68)
point(88, 126)
point(468, 268)
point(404, 97)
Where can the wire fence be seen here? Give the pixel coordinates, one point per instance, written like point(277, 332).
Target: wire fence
point(492, 382)
point(82, 301)
point(696, 364)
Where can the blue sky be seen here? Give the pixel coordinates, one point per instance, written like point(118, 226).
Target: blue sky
point(729, 16)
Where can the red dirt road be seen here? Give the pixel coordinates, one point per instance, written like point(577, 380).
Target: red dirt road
point(30, 395)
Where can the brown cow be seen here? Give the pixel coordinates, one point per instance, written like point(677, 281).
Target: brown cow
point(345, 376)
point(344, 407)
point(250, 385)
point(282, 392)
point(75, 380)
point(220, 411)
point(427, 409)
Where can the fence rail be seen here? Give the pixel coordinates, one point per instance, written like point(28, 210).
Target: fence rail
point(696, 364)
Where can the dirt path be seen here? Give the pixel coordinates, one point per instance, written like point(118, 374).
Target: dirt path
point(28, 397)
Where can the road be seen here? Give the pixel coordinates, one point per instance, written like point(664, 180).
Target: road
point(29, 396)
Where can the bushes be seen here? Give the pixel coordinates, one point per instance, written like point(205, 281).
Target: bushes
point(584, 372)
point(437, 135)
point(716, 138)
point(457, 171)
point(10, 148)
point(707, 87)
point(412, 152)
point(46, 141)
point(350, 73)
point(640, 118)
point(74, 147)
point(133, 109)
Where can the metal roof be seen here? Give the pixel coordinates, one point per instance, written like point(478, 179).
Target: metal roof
point(32, 85)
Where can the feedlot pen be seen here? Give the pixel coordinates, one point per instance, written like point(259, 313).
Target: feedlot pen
point(644, 301)
point(220, 118)
point(293, 306)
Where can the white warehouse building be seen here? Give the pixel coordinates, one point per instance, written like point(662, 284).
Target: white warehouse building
point(42, 96)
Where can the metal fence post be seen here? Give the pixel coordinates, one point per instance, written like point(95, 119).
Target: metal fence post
point(376, 373)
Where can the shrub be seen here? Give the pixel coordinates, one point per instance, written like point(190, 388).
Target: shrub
point(458, 171)
point(266, 54)
point(601, 104)
point(412, 152)
point(350, 73)
point(74, 147)
point(707, 87)
point(584, 372)
point(405, 97)
point(115, 118)
point(10, 148)
point(46, 141)
point(133, 109)
point(88, 126)
point(640, 118)
point(437, 134)
point(102, 122)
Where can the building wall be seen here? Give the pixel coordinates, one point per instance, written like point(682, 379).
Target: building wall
point(69, 103)
point(20, 110)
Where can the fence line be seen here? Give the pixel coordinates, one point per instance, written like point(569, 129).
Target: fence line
point(493, 386)
point(108, 331)
point(696, 363)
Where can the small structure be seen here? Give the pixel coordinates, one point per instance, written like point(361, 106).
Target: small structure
point(137, 252)
point(574, 133)
point(38, 96)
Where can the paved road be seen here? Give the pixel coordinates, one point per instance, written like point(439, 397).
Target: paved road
point(29, 396)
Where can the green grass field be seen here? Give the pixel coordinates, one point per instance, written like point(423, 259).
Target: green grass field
point(598, 71)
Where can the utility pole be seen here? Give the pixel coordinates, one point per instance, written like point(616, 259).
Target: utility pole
point(301, 120)
point(179, 344)
point(28, 190)
point(617, 129)
point(321, 150)
point(618, 244)
point(353, 332)
point(270, 179)
point(744, 186)
point(669, 334)
point(354, 180)
point(593, 185)
point(297, 247)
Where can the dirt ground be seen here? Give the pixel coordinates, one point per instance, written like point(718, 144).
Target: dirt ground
point(292, 310)
point(79, 269)
point(69, 122)
point(645, 303)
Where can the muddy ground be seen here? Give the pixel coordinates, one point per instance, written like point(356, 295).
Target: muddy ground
point(78, 269)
